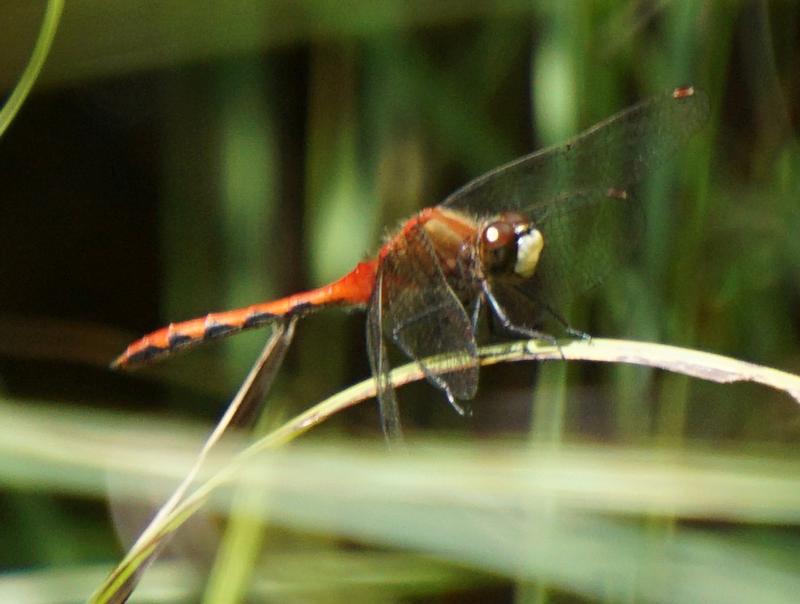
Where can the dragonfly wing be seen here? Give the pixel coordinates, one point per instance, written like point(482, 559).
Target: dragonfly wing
point(379, 362)
point(577, 193)
point(424, 317)
point(611, 155)
point(583, 241)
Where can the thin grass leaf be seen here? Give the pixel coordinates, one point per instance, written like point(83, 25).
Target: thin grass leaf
point(44, 40)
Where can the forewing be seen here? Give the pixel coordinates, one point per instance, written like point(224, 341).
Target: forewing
point(578, 194)
point(425, 318)
point(611, 155)
point(585, 237)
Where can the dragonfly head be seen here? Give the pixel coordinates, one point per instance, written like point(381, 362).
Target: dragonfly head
point(510, 244)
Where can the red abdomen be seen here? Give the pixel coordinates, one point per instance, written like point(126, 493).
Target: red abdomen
point(354, 289)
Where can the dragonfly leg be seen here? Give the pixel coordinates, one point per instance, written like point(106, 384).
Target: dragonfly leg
point(476, 312)
point(452, 400)
point(514, 328)
point(571, 331)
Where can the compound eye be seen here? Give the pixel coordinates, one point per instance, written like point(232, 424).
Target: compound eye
point(499, 247)
point(498, 235)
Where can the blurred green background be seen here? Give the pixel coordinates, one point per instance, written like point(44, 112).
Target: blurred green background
point(178, 157)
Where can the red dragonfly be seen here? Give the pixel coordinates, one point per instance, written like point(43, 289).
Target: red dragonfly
point(516, 241)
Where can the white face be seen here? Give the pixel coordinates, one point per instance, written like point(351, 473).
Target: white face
point(529, 249)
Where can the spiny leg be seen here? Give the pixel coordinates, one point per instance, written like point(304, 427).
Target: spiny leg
point(507, 324)
point(575, 333)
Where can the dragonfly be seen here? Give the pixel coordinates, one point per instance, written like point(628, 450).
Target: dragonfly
point(514, 244)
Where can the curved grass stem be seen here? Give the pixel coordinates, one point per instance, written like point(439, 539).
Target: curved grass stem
point(680, 360)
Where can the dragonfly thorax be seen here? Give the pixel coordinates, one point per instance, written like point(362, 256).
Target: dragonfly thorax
point(510, 245)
